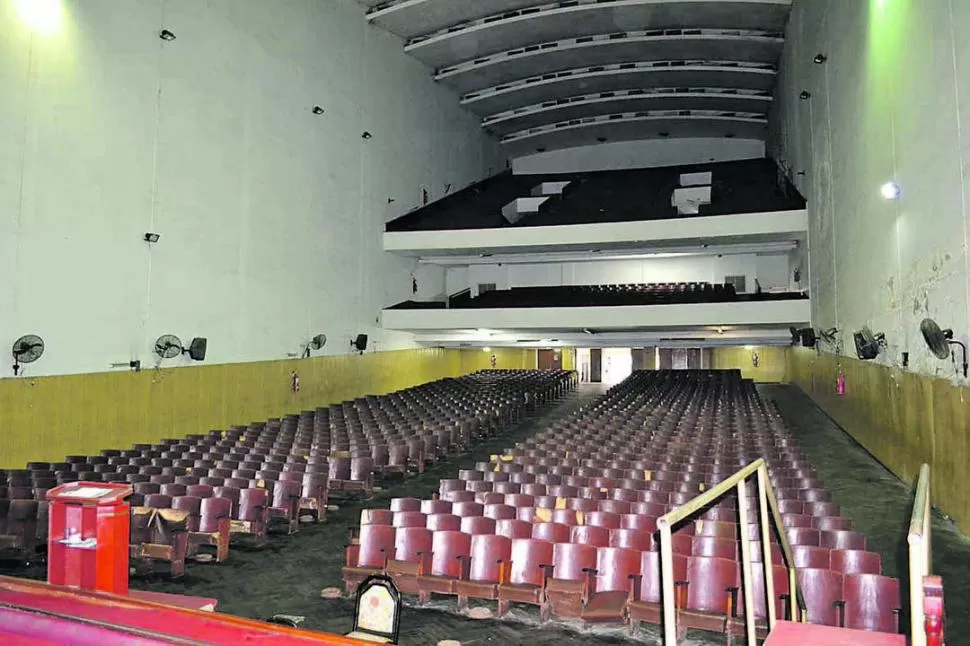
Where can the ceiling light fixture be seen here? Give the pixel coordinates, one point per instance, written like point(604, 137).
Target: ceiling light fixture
point(317, 110)
point(166, 35)
point(890, 191)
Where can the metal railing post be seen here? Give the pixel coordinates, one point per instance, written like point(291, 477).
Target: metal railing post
point(767, 558)
point(667, 578)
point(746, 583)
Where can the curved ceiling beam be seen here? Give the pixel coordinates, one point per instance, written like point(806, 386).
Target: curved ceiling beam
point(615, 78)
point(608, 49)
point(594, 105)
point(578, 18)
point(411, 18)
point(635, 126)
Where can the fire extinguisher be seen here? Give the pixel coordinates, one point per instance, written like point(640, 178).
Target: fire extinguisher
point(840, 383)
point(295, 382)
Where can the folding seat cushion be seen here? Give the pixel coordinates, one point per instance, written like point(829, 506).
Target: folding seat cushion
point(821, 589)
point(631, 538)
point(569, 579)
point(871, 602)
point(842, 540)
point(443, 522)
point(411, 558)
point(855, 562)
point(711, 594)
point(483, 569)
point(368, 555)
point(513, 528)
point(609, 593)
point(647, 589)
point(445, 568)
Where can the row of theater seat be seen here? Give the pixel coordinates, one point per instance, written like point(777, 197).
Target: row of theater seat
point(201, 489)
point(613, 296)
point(567, 519)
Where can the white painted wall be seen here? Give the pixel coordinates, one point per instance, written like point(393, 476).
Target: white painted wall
point(270, 217)
point(639, 154)
point(890, 103)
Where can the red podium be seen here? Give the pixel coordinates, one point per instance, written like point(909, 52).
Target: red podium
point(88, 536)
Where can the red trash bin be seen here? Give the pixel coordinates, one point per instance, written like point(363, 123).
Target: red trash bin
point(87, 545)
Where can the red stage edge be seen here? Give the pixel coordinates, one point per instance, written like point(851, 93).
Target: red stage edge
point(32, 612)
point(787, 633)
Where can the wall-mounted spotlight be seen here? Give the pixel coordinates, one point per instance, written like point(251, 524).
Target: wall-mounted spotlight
point(366, 135)
point(601, 139)
point(317, 110)
point(540, 149)
point(890, 191)
point(151, 238)
point(166, 35)
point(819, 59)
point(805, 95)
point(663, 133)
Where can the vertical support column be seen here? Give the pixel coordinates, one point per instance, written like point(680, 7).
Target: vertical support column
point(667, 580)
point(747, 583)
point(766, 556)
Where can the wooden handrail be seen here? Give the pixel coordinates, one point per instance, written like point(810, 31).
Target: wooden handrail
point(767, 512)
point(920, 555)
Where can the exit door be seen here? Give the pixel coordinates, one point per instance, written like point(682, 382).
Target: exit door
point(549, 360)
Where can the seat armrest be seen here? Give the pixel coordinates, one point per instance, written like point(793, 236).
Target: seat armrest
point(635, 580)
point(466, 565)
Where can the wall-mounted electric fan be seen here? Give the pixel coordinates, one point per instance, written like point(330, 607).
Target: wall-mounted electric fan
point(26, 349)
point(939, 341)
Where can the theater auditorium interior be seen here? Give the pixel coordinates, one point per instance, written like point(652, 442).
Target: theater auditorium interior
point(466, 321)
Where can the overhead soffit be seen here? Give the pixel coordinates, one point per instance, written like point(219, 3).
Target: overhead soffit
point(540, 73)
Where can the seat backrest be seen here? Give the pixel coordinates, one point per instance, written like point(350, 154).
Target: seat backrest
point(708, 581)
point(552, 532)
point(490, 555)
point(376, 545)
point(856, 562)
point(409, 519)
point(589, 535)
point(252, 502)
point(463, 509)
point(446, 547)
point(570, 559)
point(376, 517)
point(717, 547)
point(405, 504)
point(443, 522)
point(526, 557)
point(474, 525)
point(820, 589)
point(631, 538)
point(651, 588)
point(158, 501)
point(498, 512)
point(411, 542)
point(606, 519)
point(435, 507)
point(871, 602)
point(812, 556)
point(614, 565)
point(842, 540)
point(212, 511)
point(513, 528)
point(172, 490)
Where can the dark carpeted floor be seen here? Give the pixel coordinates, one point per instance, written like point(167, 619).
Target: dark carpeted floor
point(288, 575)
